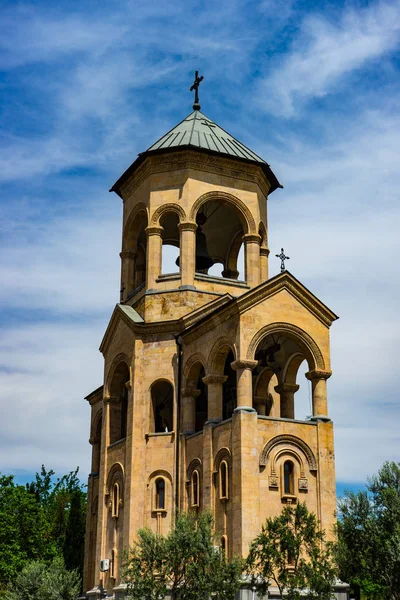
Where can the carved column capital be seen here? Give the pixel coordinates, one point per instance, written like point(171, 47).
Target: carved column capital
point(287, 387)
point(214, 379)
point(154, 230)
point(190, 393)
point(127, 254)
point(318, 374)
point(244, 364)
point(187, 226)
point(252, 238)
point(264, 251)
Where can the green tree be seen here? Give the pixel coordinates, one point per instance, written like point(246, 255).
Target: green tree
point(291, 552)
point(39, 581)
point(41, 521)
point(22, 525)
point(368, 549)
point(185, 562)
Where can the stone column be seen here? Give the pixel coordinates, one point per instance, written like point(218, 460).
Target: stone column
point(214, 384)
point(244, 391)
point(287, 392)
point(252, 258)
point(264, 253)
point(319, 397)
point(127, 273)
point(188, 406)
point(154, 248)
point(187, 259)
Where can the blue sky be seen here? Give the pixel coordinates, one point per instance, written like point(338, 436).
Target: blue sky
point(313, 87)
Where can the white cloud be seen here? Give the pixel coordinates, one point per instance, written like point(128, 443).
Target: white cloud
point(326, 51)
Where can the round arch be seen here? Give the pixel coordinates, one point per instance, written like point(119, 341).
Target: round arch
point(131, 234)
point(115, 475)
point(218, 354)
point(288, 440)
point(247, 219)
point(120, 358)
point(189, 373)
point(311, 351)
point(165, 208)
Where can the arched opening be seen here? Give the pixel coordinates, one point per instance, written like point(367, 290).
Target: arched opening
point(219, 235)
point(229, 388)
point(275, 386)
point(288, 478)
point(170, 243)
point(119, 403)
point(224, 544)
point(135, 243)
point(96, 447)
point(162, 402)
point(160, 494)
point(201, 402)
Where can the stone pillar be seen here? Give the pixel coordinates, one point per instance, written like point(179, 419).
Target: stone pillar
point(261, 405)
point(287, 392)
point(188, 406)
point(187, 259)
point(252, 258)
point(264, 253)
point(127, 273)
point(154, 248)
point(214, 384)
point(319, 397)
point(244, 391)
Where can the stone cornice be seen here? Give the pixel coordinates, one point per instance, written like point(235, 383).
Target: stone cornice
point(192, 159)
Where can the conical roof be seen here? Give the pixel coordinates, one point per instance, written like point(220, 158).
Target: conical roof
point(201, 133)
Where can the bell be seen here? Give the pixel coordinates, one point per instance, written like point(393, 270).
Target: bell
point(203, 259)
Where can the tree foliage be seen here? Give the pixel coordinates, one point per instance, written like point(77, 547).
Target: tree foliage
point(185, 562)
point(40, 521)
point(40, 581)
point(291, 553)
point(368, 550)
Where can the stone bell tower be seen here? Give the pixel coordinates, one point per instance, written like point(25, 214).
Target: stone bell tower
point(197, 409)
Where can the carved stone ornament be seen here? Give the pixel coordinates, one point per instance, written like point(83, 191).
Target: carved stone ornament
point(318, 374)
point(273, 481)
point(303, 484)
point(214, 379)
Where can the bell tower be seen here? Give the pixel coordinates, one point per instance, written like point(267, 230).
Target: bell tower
point(197, 408)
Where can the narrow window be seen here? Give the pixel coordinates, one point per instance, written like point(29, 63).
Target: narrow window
point(113, 566)
point(115, 501)
point(223, 480)
point(224, 544)
point(288, 477)
point(195, 489)
point(160, 494)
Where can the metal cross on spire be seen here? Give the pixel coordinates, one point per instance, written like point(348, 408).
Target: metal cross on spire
point(283, 257)
point(195, 87)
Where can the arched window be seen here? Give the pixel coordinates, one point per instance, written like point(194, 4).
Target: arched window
point(96, 448)
point(162, 396)
point(195, 489)
point(115, 501)
point(113, 565)
point(160, 493)
point(288, 477)
point(223, 480)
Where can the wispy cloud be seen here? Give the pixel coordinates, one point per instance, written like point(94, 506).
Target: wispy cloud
point(326, 51)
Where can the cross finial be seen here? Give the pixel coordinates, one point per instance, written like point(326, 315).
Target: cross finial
point(283, 257)
point(195, 87)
